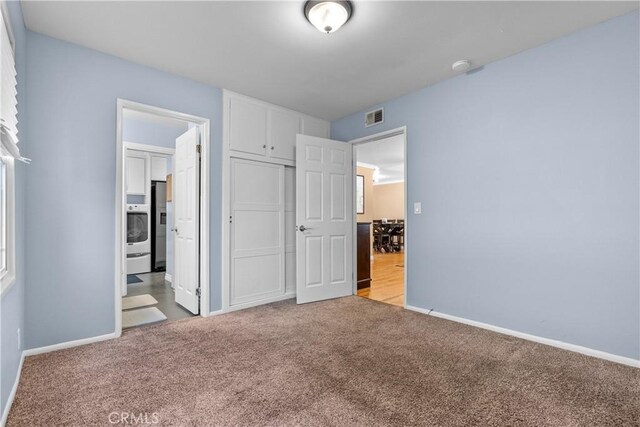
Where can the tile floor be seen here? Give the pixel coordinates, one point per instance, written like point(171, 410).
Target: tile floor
point(155, 285)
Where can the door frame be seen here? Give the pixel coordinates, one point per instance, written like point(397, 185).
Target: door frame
point(120, 211)
point(371, 138)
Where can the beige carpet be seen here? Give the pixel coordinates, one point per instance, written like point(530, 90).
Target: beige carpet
point(343, 362)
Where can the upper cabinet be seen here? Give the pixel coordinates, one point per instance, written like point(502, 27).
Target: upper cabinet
point(284, 126)
point(158, 168)
point(136, 173)
point(247, 126)
point(258, 130)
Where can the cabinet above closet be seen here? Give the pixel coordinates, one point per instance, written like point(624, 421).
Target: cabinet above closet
point(261, 131)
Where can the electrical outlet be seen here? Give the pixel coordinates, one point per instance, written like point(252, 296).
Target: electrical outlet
point(19, 340)
point(417, 208)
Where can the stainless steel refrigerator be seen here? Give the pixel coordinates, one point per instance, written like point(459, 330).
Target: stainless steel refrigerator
point(159, 225)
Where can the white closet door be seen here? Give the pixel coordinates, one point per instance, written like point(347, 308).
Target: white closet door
point(257, 231)
point(290, 229)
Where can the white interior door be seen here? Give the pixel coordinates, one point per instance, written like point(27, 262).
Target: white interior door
point(324, 213)
point(257, 231)
point(186, 199)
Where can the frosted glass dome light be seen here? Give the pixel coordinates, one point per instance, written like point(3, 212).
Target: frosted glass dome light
point(327, 16)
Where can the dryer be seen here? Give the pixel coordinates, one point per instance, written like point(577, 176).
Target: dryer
point(138, 239)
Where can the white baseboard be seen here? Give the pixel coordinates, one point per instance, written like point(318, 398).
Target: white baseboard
point(213, 313)
point(237, 307)
point(168, 277)
point(69, 344)
point(541, 340)
point(12, 394)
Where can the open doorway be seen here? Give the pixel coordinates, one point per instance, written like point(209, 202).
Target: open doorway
point(161, 216)
point(380, 212)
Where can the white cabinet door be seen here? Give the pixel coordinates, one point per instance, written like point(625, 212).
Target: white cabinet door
point(136, 173)
point(247, 126)
point(324, 213)
point(158, 168)
point(284, 126)
point(315, 127)
point(257, 231)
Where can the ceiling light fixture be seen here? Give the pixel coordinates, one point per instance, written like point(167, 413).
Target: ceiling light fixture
point(328, 16)
point(461, 66)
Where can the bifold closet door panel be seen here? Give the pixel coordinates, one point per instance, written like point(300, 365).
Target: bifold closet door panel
point(257, 231)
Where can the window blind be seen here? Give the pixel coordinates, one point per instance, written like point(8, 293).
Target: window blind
point(8, 92)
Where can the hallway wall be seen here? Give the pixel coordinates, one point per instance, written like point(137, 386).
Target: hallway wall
point(527, 171)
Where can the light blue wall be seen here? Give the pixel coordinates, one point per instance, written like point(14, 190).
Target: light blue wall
point(12, 301)
point(152, 133)
point(528, 176)
point(71, 100)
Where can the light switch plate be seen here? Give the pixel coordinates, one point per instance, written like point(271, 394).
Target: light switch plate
point(417, 208)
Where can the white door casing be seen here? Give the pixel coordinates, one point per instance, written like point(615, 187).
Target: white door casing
point(257, 231)
point(186, 198)
point(324, 217)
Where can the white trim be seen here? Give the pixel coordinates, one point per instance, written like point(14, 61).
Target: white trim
point(149, 148)
point(69, 344)
point(371, 138)
point(236, 307)
point(205, 199)
point(541, 340)
point(395, 181)
point(168, 277)
point(12, 394)
point(214, 313)
point(8, 277)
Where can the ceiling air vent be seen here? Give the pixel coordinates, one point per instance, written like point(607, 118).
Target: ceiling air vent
point(374, 117)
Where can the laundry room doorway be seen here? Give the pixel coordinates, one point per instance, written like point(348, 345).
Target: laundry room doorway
point(161, 216)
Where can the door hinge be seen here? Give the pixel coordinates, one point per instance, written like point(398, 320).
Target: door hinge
point(199, 148)
point(198, 292)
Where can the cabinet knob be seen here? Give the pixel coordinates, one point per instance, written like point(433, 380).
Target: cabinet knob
point(272, 147)
point(264, 146)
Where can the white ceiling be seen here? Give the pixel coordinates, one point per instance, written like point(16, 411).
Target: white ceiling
point(387, 155)
point(268, 50)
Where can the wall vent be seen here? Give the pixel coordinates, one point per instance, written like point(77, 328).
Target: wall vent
point(374, 117)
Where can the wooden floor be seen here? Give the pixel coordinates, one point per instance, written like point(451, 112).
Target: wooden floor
point(387, 274)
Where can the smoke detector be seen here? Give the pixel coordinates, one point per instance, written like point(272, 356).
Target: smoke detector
point(461, 66)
